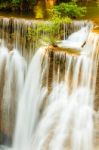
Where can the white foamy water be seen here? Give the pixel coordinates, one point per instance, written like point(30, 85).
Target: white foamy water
point(76, 39)
point(30, 99)
point(12, 75)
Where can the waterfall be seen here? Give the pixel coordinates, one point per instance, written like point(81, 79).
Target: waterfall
point(56, 109)
point(47, 102)
point(31, 98)
point(12, 75)
point(15, 34)
point(14, 81)
point(67, 121)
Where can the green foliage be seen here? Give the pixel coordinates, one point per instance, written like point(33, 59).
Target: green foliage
point(70, 9)
point(12, 4)
point(58, 15)
point(15, 1)
point(97, 3)
point(48, 32)
point(4, 5)
point(32, 34)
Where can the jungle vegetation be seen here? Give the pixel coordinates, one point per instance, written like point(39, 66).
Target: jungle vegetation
point(72, 8)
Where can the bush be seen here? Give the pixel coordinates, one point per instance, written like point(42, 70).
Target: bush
point(16, 2)
point(70, 9)
point(51, 30)
point(58, 15)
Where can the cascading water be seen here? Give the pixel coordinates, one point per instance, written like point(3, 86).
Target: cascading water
point(12, 75)
point(15, 34)
point(56, 103)
point(61, 118)
point(14, 81)
point(79, 39)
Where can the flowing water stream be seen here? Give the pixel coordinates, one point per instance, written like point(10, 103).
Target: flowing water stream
point(47, 96)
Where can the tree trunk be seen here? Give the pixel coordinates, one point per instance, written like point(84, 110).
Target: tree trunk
point(50, 3)
point(41, 6)
point(40, 9)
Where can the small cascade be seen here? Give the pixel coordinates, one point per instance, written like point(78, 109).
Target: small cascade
point(15, 34)
point(76, 39)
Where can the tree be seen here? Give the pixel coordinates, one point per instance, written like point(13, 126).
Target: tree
point(50, 3)
point(42, 6)
point(70, 9)
point(40, 9)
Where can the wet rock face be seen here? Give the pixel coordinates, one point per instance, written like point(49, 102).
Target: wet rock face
point(96, 103)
